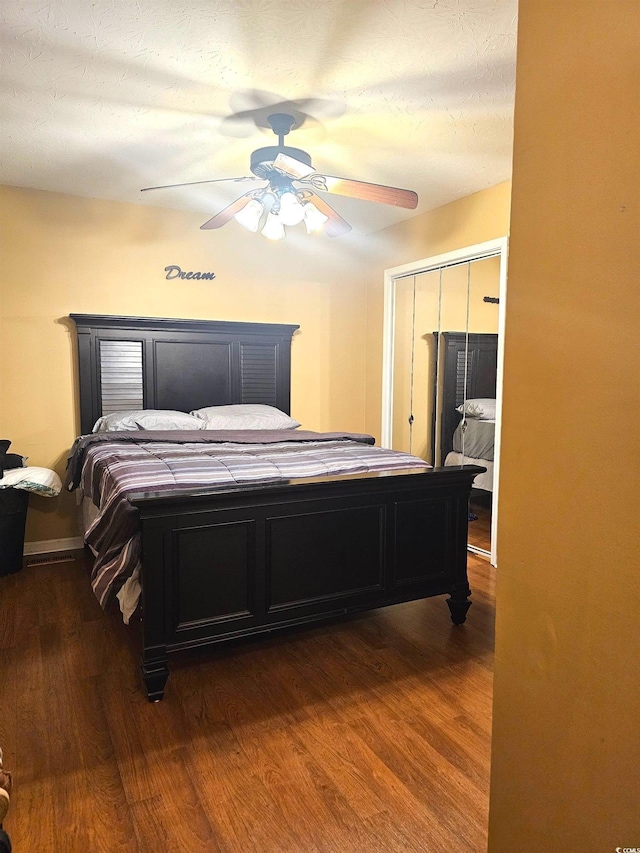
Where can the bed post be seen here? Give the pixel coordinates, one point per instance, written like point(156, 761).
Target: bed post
point(458, 595)
point(458, 606)
point(155, 669)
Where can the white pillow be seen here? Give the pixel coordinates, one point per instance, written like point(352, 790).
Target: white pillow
point(146, 419)
point(44, 481)
point(247, 416)
point(482, 408)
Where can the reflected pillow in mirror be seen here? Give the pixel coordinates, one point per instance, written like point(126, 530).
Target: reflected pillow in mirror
point(482, 408)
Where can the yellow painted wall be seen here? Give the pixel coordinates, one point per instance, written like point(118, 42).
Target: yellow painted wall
point(566, 744)
point(63, 254)
point(474, 219)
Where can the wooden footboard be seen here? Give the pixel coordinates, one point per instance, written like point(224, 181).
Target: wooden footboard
point(218, 565)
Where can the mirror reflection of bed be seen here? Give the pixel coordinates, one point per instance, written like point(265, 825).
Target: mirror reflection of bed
point(466, 418)
point(445, 356)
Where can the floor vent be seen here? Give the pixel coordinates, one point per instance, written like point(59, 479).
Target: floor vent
point(47, 559)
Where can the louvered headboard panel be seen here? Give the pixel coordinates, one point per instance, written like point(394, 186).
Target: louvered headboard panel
point(121, 385)
point(156, 363)
point(259, 373)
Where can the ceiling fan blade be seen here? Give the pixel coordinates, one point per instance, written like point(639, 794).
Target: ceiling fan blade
point(366, 191)
point(291, 167)
point(228, 212)
point(336, 225)
point(193, 183)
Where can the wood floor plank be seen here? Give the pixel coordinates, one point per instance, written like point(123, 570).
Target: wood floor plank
point(33, 781)
point(227, 782)
point(413, 700)
point(241, 808)
point(364, 780)
point(367, 735)
point(480, 528)
point(384, 710)
point(87, 795)
point(161, 825)
point(21, 618)
point(451, 808)
point(400, 834)
point(9, 688)
point(292, 778)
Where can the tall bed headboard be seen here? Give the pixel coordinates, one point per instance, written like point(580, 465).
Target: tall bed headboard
point(156, 363)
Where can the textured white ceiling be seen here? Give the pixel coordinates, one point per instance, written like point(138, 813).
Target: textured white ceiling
point(103, 97)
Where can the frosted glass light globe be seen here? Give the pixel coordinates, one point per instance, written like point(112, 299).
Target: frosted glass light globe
point(313, 218)
point(273, 227)
point(291, 211)
point(249, 216)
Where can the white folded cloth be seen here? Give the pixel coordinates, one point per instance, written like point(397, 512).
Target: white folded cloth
point(42, 481)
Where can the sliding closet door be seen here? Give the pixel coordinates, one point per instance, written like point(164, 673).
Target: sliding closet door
point(445, 343)
point(468, 374)
point(414, 362)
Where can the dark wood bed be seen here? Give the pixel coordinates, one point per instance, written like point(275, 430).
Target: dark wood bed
point(222, 564)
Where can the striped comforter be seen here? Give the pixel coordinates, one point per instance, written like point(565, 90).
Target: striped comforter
point(112, 466)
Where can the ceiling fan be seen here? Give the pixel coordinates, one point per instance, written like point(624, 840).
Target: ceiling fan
point(290, 194)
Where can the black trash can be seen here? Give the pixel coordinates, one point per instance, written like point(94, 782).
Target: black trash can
point(13, 518)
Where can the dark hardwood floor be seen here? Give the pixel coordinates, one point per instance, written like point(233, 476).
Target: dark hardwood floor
point(369, 734)
point(480, 528)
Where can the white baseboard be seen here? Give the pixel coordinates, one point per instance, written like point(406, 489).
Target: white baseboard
point(50, 546)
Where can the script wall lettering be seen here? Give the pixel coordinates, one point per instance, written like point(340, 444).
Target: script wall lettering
point(174, 271)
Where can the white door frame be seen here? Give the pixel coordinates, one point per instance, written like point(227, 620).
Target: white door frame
point(492, 248)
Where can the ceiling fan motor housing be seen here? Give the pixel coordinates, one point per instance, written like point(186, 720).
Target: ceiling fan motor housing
point(262, 159)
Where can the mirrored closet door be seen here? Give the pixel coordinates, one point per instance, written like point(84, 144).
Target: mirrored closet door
point(442, 366)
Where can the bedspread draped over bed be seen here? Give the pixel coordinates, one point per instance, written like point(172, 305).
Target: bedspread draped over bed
point(112, 466)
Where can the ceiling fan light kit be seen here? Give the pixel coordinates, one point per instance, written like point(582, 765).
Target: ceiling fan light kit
point(273, 227)
point(290, 205)
point(250, 215)
point(313, 219)
point(291, 210)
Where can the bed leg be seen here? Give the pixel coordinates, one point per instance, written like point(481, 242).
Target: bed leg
point(155, 672)
point(458, 606)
